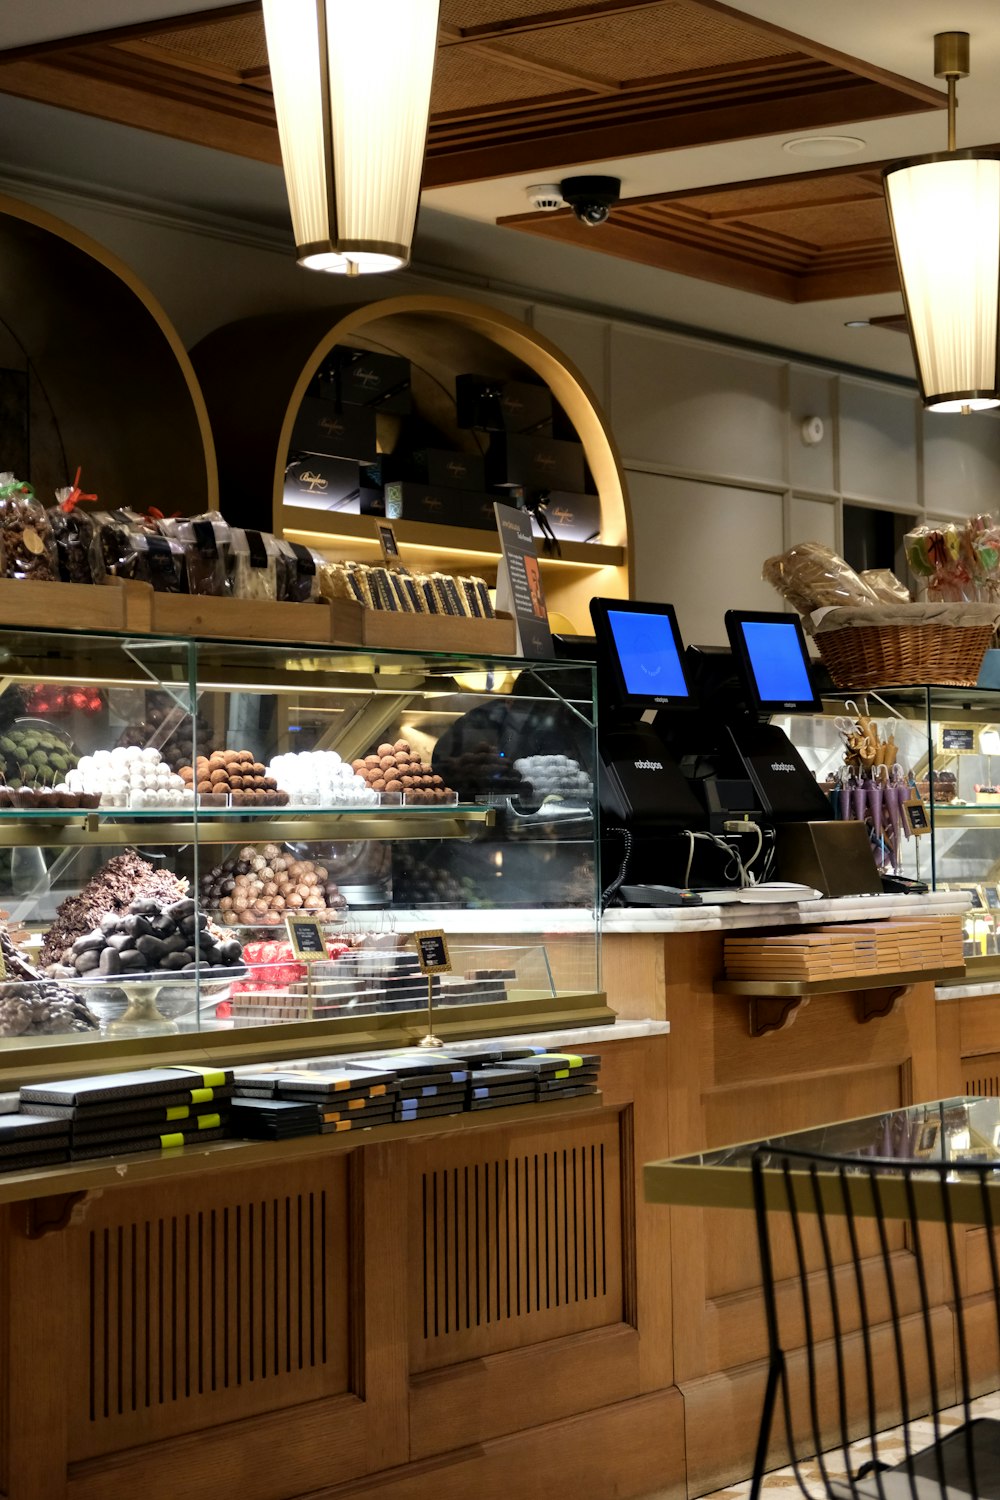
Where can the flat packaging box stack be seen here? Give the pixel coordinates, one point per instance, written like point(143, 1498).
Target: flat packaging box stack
point(382, 981)
point(561, 1075)
point(475, 986)
point(898, 945)
point(116, 1114)
point(340, 1097)
point(428, 1084)
point(27, 1141)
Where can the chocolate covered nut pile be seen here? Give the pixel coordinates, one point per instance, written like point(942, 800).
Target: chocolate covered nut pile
point(260, 886)
point(396, 768)
point(234, 774)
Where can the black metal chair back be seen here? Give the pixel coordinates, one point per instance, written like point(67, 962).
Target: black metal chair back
point(865, 1275)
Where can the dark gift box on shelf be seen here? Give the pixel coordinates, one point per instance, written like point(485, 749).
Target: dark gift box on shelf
point(437, 467)
point(439, 505)
point(574, 518)
point(320, 428)
point(533, 463)
point(323, 483)
point(492, 405)
point(357, 378)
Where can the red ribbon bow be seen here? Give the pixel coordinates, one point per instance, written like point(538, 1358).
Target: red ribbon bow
point(75, 495)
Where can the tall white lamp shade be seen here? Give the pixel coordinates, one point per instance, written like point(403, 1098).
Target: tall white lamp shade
point(352, 89)
point(945, 216)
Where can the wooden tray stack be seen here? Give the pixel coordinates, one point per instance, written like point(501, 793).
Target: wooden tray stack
point(902, 945)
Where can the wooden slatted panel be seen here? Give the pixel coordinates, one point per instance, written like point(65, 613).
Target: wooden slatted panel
point(982, 1075)
point(520, 1241)
point(188, 1310)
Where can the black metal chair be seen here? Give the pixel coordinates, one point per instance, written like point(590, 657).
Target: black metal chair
point(863, 1275)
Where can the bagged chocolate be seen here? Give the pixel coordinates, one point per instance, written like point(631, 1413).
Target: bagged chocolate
point(27, 546)
point(254, 565)
point(207, 543)
point(299, 572)
point(79, 558)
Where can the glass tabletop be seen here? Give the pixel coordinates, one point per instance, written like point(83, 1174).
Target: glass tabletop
point(960, 1132)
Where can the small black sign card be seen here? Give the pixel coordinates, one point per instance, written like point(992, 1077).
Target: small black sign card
point(915, 813)
point(306, 938)
point(519, 582)
point(387, 541)
point(432, 952)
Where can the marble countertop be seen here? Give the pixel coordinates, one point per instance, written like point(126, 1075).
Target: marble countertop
point(631, 920)
point(971, 991)
point(513, 923)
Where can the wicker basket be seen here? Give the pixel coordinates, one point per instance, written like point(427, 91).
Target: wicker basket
point(905, 654)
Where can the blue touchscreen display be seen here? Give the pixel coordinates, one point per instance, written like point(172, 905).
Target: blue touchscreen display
point(776, 661)
point(647, 653)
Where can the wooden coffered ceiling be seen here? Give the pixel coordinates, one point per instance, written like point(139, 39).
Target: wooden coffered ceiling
point(521, 86)
point(804, 238)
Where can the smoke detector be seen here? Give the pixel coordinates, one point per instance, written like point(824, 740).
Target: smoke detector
point(545, 196)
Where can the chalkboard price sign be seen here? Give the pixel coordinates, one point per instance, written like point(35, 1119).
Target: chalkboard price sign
point(432, 952)
point(306, 938)
point(958, 739)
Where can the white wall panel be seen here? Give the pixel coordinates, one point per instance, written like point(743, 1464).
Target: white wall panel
point(878, 443)
point(584, 340)
point(812, 521)
point(961, 463)
point(812, 394)
point(697, 409)
point(701, 547)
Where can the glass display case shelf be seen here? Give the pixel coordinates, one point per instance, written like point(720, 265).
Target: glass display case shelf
point(47, 828)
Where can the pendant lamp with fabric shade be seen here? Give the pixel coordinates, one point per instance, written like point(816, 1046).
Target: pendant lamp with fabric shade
point(945, 216)
point(352, 154)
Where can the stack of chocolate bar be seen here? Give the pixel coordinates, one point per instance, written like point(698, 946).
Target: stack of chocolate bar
point(428, 1084)
point(561, 1075)
point(116, 1114)
point(341, 1096)
point(26, 1141)
point(258, 1119)
point(496, 1078)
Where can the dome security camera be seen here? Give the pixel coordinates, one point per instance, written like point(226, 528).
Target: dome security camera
point(591, 198)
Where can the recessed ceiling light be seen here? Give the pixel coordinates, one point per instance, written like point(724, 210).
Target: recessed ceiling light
point(857, 323)
point(824, 145)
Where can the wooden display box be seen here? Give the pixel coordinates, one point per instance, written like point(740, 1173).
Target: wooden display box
point(82, 606)
point(353, 625)
point(240, 619)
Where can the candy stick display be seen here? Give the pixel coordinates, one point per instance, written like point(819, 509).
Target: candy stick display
point(938, 556)
point(982, 547)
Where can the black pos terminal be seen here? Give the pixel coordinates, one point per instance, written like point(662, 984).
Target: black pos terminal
point(698, 789)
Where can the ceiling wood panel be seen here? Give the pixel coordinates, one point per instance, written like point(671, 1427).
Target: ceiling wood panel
point(812, 237)
point(522, 85)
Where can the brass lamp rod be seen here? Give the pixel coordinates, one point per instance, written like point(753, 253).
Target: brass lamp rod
point(951, 61)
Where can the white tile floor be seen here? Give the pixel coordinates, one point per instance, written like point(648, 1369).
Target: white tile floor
point(891, 1450)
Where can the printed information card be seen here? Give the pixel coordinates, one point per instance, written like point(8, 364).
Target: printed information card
point(519, 582)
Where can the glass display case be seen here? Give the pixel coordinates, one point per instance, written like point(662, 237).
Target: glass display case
point(166, 806)
point(946, 764)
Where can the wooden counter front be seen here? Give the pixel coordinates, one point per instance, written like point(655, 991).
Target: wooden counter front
point(472, 1310)
point(723, 1085)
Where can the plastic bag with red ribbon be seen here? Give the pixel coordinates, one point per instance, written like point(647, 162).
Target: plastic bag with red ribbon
point(78, 545)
